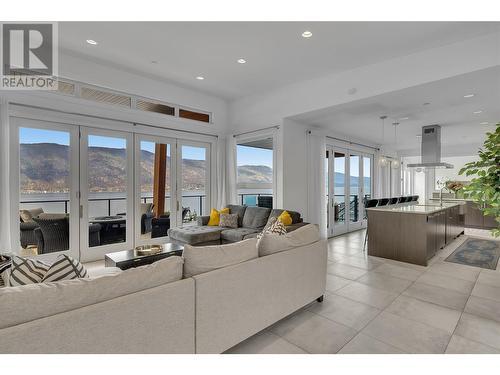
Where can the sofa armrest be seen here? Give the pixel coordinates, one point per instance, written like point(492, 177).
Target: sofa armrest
point(292, 227)
point(27, 226)
point(202, 220)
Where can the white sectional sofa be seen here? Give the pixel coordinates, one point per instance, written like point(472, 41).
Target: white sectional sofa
point(151, 309)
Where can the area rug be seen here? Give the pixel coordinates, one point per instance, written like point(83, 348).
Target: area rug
point(477, 252)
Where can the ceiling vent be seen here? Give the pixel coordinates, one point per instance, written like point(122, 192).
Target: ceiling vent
point(66, 88)
point(105, 97)
point(192, 115)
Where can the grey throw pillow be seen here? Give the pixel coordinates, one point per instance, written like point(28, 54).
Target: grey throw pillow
point(228, 220)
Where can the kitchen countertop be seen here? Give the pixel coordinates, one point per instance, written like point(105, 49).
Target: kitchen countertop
point(423, 209)
point(452, 199)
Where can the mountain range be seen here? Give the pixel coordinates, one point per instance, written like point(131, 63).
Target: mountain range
point(45, 168)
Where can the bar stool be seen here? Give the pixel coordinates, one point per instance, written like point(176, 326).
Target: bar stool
point(393, 200)
point(414, 198)
point(369, 203)
point(401, 199)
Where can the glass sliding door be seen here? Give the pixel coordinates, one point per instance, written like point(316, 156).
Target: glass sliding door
point(47, 215)
point(106, 192)
point(155, 187)
point(348, 182)
point(193, 176)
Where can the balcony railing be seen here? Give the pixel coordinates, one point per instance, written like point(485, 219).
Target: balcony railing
point(339, 207)
point(195, 203)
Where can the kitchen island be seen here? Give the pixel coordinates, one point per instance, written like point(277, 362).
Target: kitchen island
point(413, 233)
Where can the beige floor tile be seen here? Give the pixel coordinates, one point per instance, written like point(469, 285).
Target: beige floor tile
point(335, 257)
point(415, 267)
point(486, 291)
point(484, 307)
point(408, 335)
point(265, 343)
point(461, 345)
point(345, 271)
point(345, 311)
point(489, 277)
point(384, 282)
point(313, 333)
point(366, 294)
point(435, 294)
point(363, 344)
point(455, 270)
point(425, 312)
point(361, 262)
point(399, 271)
point(348, 251)
point(447, 282)
point(334, 283)
point(479, 329)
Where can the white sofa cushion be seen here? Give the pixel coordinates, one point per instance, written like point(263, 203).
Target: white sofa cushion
point(201, 259)
point(29, 302)
point(271, 243)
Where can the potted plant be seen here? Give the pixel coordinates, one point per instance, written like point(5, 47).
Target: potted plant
point(484, 188)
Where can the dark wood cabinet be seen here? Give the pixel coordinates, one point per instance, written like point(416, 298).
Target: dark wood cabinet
point(474, 218)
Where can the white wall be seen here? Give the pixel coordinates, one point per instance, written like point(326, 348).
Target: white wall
point(294, 166)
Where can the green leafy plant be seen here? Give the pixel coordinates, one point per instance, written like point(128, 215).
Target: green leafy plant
point(484, 188)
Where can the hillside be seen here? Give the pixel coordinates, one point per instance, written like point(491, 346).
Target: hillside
point(45, 166)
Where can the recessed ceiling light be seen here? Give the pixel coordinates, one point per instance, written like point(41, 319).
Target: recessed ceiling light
point(91, 41)
point(484, 123)
point(419, 136)
point(307, 34)
point(477, 112)
point(426, 103)
point(200, 78)
point(241, 61)
point(468, 95)
point(154, 62)
point(404, 118)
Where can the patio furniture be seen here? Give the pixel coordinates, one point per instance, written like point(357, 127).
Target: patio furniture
point(52, 234)
point(265, 201)
point(146, 217)
point(113, 228)
point(28, 233)
point(160, 226)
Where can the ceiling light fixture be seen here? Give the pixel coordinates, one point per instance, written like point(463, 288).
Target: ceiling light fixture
point(404, 118)
point(92, 42)
point(484, 123)
point(200, 78)
point(241, 61)
point(307, 34)
point(154, 62)
point(426, 103)
point(477, 112)
point(468, 95)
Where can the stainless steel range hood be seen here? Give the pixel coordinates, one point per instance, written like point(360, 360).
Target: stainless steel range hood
point(431, 149)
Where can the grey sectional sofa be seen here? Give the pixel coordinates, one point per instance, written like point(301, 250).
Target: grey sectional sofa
point(251, 221)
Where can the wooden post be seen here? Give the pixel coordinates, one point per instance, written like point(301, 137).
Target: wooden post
point(159, 180)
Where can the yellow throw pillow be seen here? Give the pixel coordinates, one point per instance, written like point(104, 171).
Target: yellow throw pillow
point(215, 216)
point(285, 218)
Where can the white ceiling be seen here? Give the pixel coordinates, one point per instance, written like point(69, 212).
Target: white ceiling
point(461, 129)
point(276, 53)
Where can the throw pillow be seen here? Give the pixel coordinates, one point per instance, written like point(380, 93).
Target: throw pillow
point(285, 218)
point(65, 268)
point(28, 215)
point(271, 243)
point(228, 220)
point(215, 216)
point(26, 271)
point(201, 259)
point(5, 264)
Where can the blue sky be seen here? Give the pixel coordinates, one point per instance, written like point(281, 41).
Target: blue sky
point(254, 156)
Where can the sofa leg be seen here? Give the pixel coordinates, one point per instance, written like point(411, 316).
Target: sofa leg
point(319, 299)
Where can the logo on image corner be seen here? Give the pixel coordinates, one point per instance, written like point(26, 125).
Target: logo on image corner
point(29, 56)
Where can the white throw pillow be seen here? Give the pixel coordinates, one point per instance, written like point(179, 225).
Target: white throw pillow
point(201, 259)
point(271, 243)
point(65, 268)
point(26, 271)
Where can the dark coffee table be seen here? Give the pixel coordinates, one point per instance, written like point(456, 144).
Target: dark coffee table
point(128, 258)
